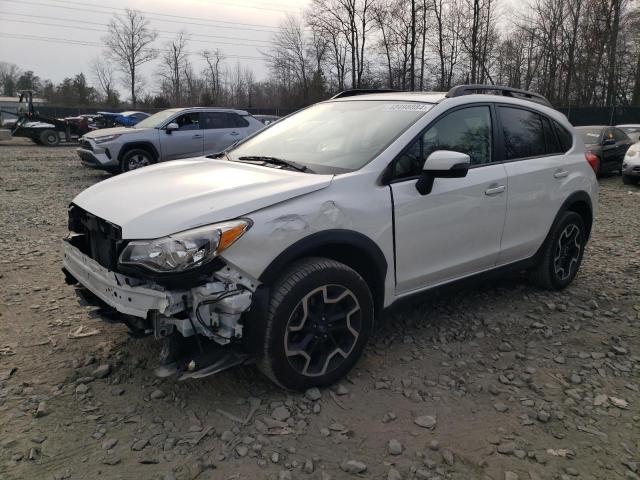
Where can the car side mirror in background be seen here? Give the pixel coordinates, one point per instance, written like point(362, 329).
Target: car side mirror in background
point(442, 164)
point(608, 141)
point(171, 127)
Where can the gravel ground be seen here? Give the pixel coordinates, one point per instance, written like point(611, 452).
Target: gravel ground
point(493, 381)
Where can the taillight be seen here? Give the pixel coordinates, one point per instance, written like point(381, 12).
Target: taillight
point(593, 160)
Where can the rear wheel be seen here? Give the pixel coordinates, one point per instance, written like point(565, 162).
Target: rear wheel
point(136, 158)
point(319, 319)
point(49, 138)
point(562, 253)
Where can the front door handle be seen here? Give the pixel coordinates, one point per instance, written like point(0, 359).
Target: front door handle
point(495, 190)
point(197, 135)
point(561, 174)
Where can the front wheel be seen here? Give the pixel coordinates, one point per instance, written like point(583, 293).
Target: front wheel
point(134, 159)
point(319, 319)
point(562, 253)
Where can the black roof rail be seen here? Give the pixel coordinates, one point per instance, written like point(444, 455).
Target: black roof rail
point(500, 90)
point(362, 91)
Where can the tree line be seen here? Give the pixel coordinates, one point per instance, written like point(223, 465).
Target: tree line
point(575, 52)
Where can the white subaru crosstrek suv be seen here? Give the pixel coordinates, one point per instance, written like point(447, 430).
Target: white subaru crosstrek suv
point(285, 248)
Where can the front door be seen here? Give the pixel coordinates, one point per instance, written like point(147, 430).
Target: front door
point(185, 142)
point(456, 229)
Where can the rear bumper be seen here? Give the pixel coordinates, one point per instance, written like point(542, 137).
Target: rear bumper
point(115, 289)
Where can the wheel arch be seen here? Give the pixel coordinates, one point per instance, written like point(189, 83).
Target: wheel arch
point(150, 147)
point(578, 202)
point(354, 249)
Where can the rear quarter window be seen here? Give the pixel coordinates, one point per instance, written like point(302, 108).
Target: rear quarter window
point(564, 136)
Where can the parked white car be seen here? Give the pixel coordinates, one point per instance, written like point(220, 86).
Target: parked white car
point(284, 249)
point(631, 165)
point(168, 135)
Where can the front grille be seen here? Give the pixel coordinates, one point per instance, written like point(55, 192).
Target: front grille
point(636, 169)
point(85, 144)
point(95, 237)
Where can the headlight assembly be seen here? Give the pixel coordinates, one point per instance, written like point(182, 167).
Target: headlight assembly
point(185, 250)
point(106, 138)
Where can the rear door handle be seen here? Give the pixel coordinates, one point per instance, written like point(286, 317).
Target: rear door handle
point(495, 190)
point(561, 174)
point(197, 135)
point(234, 133)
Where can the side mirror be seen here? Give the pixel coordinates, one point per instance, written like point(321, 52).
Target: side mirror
point(608, 141)
point(442, 164)
point(171, 127)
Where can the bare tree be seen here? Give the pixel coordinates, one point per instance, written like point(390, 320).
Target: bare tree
point(213, 73)
point(290, 53)
point(104, 77)
point(173, 65)
point(129, 43)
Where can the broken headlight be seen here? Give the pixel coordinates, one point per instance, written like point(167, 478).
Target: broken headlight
point(185, 250)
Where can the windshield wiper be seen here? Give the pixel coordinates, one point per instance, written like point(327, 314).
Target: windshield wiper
point(276, 161)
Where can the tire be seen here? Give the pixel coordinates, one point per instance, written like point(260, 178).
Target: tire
point(629, 180)
point(49, 138)
point(136, 158)
point(562, 253)
point(327, 348)
point(36, 141)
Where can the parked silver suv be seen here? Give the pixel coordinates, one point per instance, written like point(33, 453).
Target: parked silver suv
point(168, 135)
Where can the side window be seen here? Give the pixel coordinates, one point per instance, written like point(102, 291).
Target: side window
point(523, 133)
point(467, 130)
point(620, 136)
point(608, 135)
point(238, 121)
point(214, 120)
point(565, 137)
point(188, 121)
point(553, 145)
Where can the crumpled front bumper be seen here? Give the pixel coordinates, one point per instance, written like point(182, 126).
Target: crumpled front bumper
point(117, 290)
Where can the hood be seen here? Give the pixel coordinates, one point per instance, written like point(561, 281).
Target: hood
point(115, 131)
point(174, 196)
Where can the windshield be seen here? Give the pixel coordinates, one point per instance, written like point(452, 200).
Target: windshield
point(334, 137)
point(155, 120)
point(590, 136)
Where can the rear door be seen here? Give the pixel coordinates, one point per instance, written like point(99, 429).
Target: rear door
point(222, 129)
point(537, 172)
point(623, 142)
point(185, 142)
point(455, 230)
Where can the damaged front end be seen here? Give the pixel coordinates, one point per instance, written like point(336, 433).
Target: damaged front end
point(199, 312)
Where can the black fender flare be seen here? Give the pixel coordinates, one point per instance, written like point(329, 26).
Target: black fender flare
point(142, 144)
point(576, 198)
point(371, 264)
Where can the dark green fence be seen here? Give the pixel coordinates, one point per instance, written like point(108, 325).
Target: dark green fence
point(601, 115)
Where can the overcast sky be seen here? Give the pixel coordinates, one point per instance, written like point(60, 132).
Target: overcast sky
point(58, 38)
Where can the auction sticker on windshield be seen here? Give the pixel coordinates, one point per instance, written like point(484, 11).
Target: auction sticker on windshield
point(407, 107)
